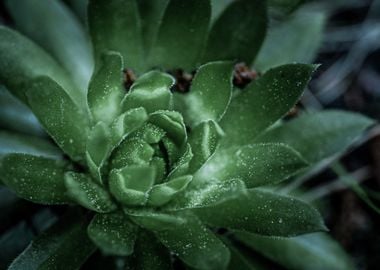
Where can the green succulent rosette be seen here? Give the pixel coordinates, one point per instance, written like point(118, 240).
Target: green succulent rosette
point(149, 174)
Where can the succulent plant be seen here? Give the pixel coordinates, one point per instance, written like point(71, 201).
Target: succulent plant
point(150, 174)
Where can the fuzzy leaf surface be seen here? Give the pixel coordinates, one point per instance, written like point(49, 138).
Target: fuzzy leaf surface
point(36, 179)
point(64, 246)
point(263, 102)
point(319, 135)
point(255, 164)
point(264, 213)
point(113, 233)
point(150, 91)
point(62, 119)
point(106, 92)
point(210, 93)
point(192, 242)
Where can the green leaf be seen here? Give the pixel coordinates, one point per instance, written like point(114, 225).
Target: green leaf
point(172, 123)
point(311, 251)
point(17, 116)
point(113, 233)
point(238, 33)
point(115, 25)
point(208, 194)
point(319, 135)
point(300, 37)
point(82, 189)
point(36, 179)
point(79, 7)
point(153, 220)
point(52, 25)
point(149, 254)
point(242, 259)
point(255, 164)
point(11, 142)
point(263, 102)
point(150, 91)
point(181, 166)
point(151, 13)
point(130, 184)
point(106, 92)
point(204, 140)
point(209, 95)
point(264, 213)
point(181, 36)
point(163, 193)
point(194, 244)
point(98, 149)
point(16, 70)
point(65, 246)
point(62, 119)
point(127, 123)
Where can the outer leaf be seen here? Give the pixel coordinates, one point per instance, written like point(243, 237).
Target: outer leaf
point(218, 6)
point(59, 115)
point(203, 139)
point(264, 213)
point(79, 7)
point(17, 116)
point(149, 254)
point(210, 93)
point(113, 233)
point(311, 251)
point(36, 179)
point(208, 194)
point(105, 92)
point(182, 34)
point(16, 70)
point(115, 25)
point(150, 91)
point(238, 33)
point(319, 135)
point(263, 102)
point(302, 31)
point(87, 193)
point(52, 25)
point(255, 164)
point(11, 142)
point(151, 13)
point(65, 246)
point(194, 244)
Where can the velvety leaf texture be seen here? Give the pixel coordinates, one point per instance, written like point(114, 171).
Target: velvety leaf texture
point(264, 213)
point(263, 102)
point(64, 246)
point(156, 143)
point(33, 178)
point(319, 135)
